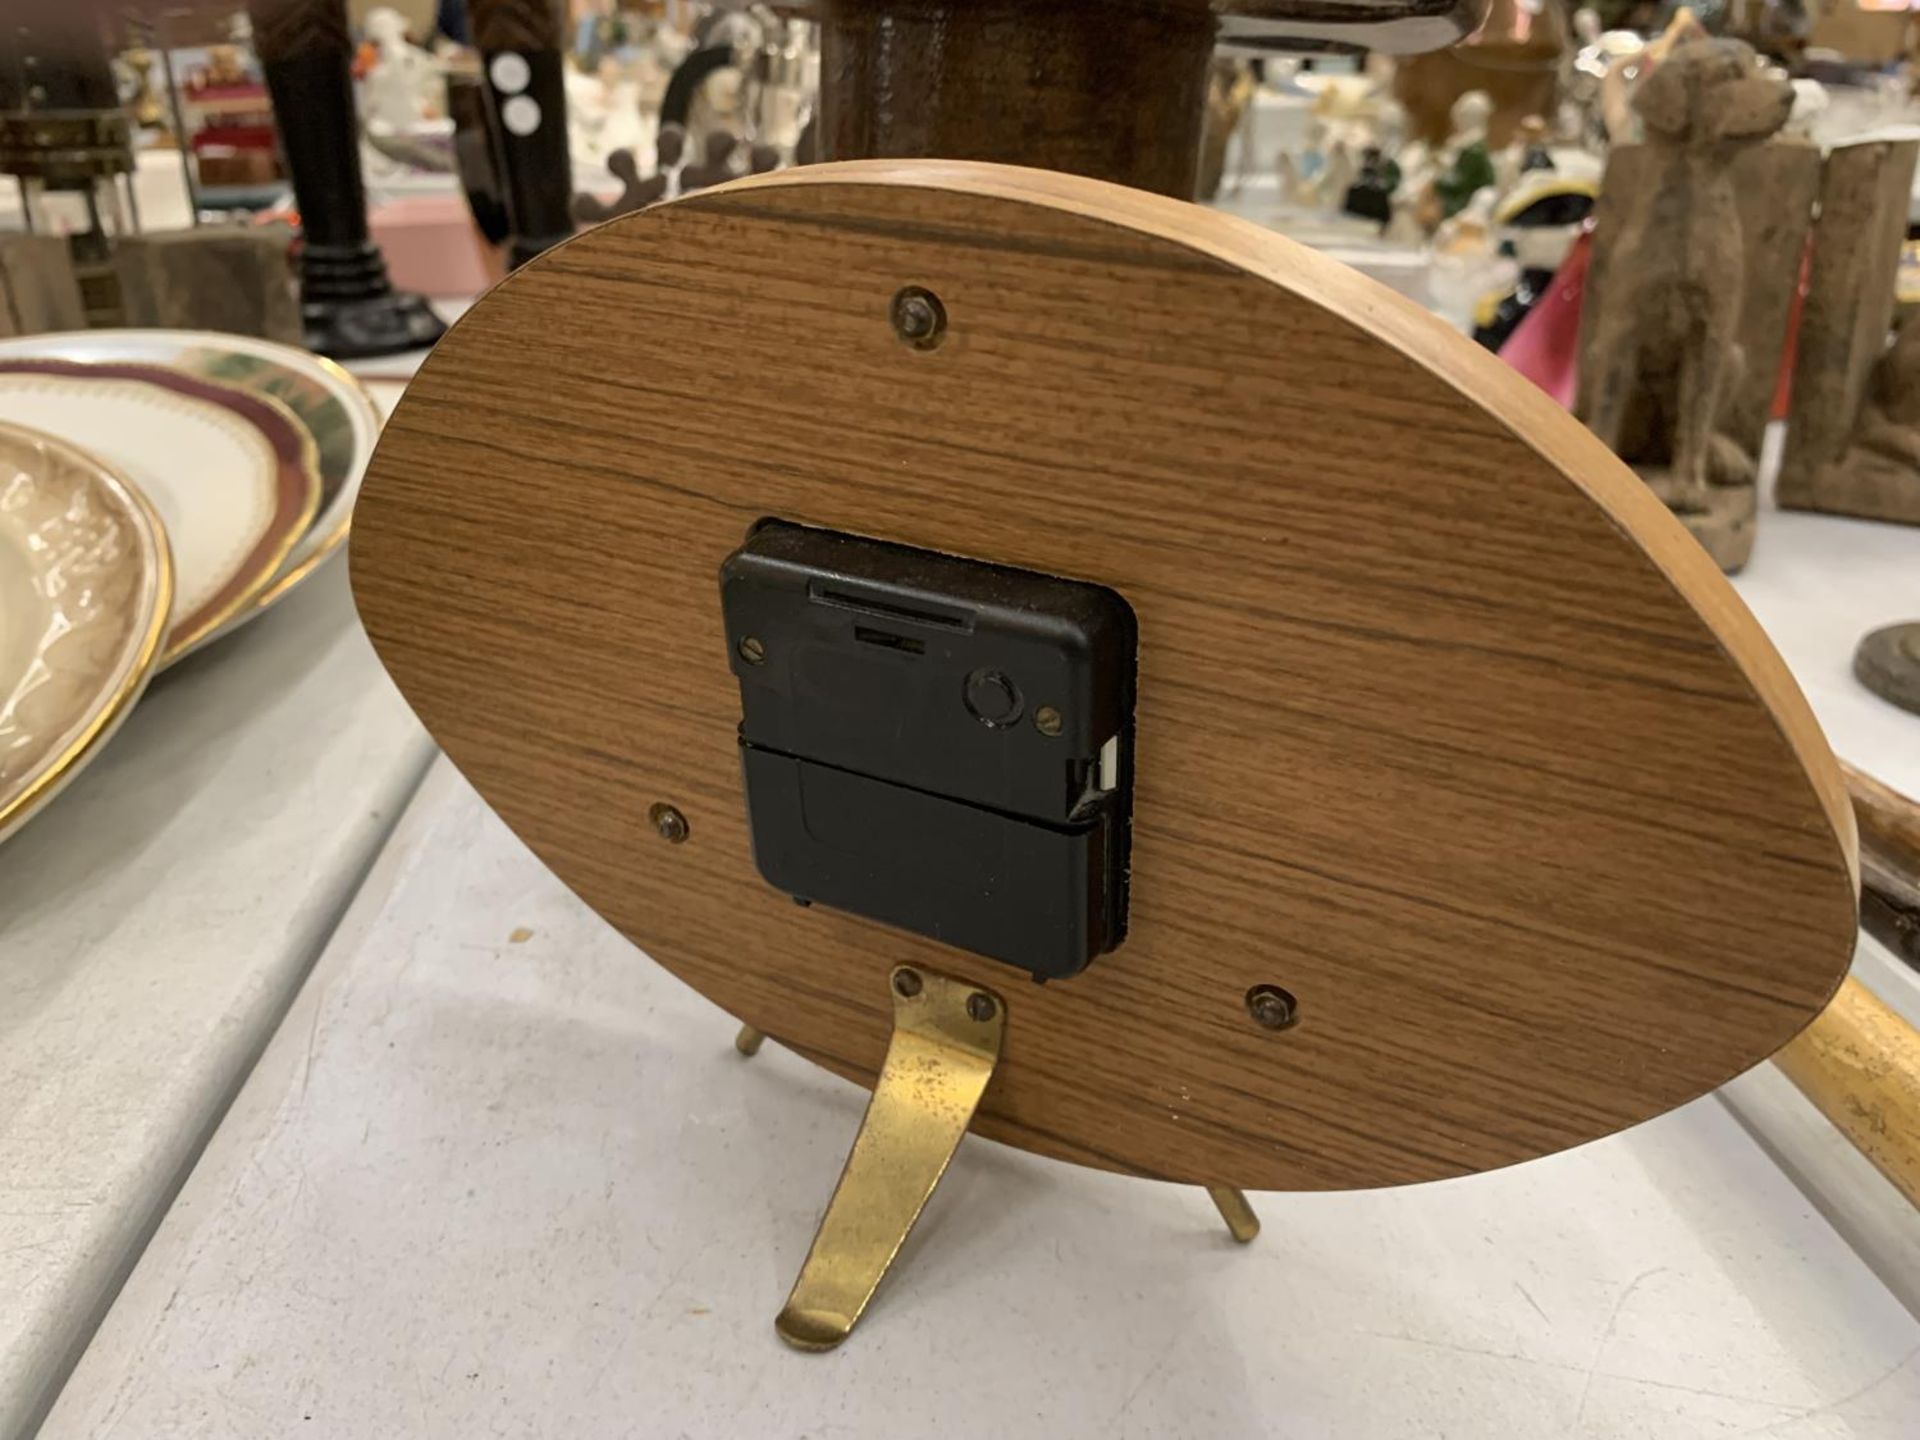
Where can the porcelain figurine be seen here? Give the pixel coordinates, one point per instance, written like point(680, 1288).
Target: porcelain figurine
point(1468, 271)
point(1371, 195)
point(133, 72)
point(1466, 166)
point(404, 85)
point(1536, 224)
point(1526, 154)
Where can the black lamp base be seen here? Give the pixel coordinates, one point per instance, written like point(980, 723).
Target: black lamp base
point(351, 310)
point(379, 325)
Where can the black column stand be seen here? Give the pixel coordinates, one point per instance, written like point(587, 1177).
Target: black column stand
point(349, 307)
point(519, 43)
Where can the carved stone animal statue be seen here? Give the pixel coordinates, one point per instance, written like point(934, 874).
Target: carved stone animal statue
point(1664, 342)
point(1889, 421)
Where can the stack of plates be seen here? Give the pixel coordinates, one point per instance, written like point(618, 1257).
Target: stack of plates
point(158, 489)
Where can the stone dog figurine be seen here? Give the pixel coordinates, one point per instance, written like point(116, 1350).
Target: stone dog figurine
point(1664, 348)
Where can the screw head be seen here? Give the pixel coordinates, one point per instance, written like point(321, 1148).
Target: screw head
point(1271, 1007)
point(906, 981)
point(668, 823)
point(1047, 721)
point(751, 650)
point(981, 1007)
point(918, 317)
point(992, 699)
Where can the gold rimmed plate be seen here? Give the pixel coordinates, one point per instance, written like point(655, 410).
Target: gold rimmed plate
point(329, 403)
point(234, 476)
point(86, 588)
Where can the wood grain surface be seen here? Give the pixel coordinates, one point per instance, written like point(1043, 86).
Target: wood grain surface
point(1444, 724)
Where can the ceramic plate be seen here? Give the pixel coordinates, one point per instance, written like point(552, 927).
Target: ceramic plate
point(329, 402)
point(233, 475)
point(86, 586)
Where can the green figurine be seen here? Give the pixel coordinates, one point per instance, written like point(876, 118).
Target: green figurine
point(1471, 168)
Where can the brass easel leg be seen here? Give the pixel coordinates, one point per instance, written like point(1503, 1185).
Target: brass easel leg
point(1234, 1209)
point(748, 1041)
point(946, 1041)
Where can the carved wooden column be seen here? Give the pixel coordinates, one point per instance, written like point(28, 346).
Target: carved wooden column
point(348, 305)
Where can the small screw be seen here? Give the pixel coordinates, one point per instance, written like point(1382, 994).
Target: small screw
point(1271, 1007)
point(1047, 721)
point(981, 1006)
point(752, 651)
point(919, 319)
point(906, 982)
point(669, 822)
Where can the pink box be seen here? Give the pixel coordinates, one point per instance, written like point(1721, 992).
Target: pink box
point(431, 245)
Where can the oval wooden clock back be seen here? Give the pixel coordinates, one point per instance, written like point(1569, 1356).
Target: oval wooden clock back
point(1443, 724)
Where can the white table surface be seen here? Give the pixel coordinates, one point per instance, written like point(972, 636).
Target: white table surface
point(497, 1174)
point(155, 923)
point(487, 1185)
point(1817, 583)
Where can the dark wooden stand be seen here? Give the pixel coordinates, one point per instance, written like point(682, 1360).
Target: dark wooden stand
point(1112, 90)
point(348, 305)
point(519, 43)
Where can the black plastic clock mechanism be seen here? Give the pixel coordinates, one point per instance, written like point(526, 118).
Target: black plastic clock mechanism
point(936, 743)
